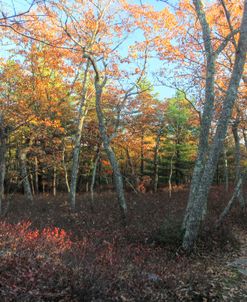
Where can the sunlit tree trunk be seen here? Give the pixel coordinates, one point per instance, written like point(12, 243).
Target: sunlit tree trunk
point(77, 141)
point(170, 176)
point(201, 182)
point(156, 159)
point(245, 138)
point(118, 180)
point(2, 160)
point(24, 174)
point(65, 171)
point(36, 175)
point(134, 178)
point(208, 109)
point(177, 163)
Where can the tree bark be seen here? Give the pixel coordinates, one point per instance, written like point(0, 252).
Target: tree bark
point(245, 138)
point(197, 204)
point(2, 160)
point(142, 153)
point(170, 175)
point(36, 175)
point(235, 195)
point(238, 162)
point(156, 158)
point(32, 184)
point(208, 109)
point(134, 178)
point(65, 171)
point(226, 174)
point(118, 180)
point(237, 149)
point(178, 172)
point(54, 183)
point(77, 142)
point(94, 177)
point(24, 174)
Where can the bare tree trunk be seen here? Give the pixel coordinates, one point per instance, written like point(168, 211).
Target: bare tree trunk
point(238, 162)
point(170, 176)
point(226, 175)
point(235, 195)
point(24, 174)
point(43, 182)
point(77, 142)
point(142, 153)
point(54, 184)
point(134, 178)
point(118, 180)
point(237, 149)
point(65, 171)
point(32, 184)
point(36, 175)
point(245, 138)
point(197, 204)
point(207, 110)
point(2, 161)
point(94, 177)
point(156, 159)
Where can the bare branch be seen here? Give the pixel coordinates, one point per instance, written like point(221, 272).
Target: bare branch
point(228, 38)
point(228, 18)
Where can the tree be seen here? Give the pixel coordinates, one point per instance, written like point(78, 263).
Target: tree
point(205, 165)
point(182, 125)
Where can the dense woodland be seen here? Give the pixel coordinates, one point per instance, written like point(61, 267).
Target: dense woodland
point(108, 190)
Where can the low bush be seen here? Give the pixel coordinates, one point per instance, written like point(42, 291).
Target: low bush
point(170, 233)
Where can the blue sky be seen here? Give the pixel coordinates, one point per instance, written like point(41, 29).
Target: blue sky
point(155, 64)
point(164, 92)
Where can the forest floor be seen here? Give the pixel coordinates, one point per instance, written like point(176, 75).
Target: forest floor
point(49, 253)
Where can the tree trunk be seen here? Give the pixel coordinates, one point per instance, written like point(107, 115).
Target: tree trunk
point(199, 192)
point(118, 180)
point(54, 183)
point(36, 175)
point(156, 159)
point(226, 174)
point(24, 174)
point(237, 149)
point(238, 162)
point(235, 195)
point(207, 110)
point(94, 177)
point(170, 176)
point(177, 164)
point(245, 138)
point(134, 178)
point(43, 182)
point(142, 153)
point(32, 184)
point(77, 142)
point(2, 161)
point(65, 171)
